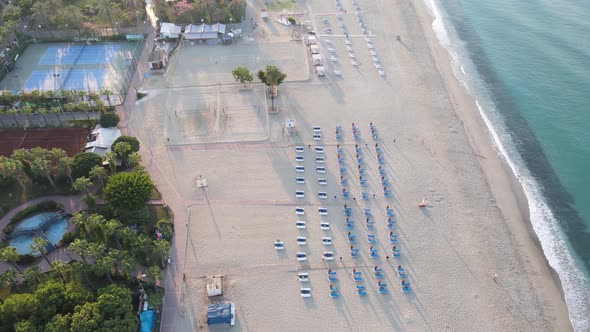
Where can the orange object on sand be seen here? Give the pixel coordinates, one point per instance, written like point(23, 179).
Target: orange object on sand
point(423, 203)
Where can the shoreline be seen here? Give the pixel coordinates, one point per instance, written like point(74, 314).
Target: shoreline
point(502, 182)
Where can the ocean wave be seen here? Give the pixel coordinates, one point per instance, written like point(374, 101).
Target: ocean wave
point(553, 241)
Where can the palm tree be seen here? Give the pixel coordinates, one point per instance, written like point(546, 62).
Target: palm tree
point(236, 7)
point(134, 160)
point(104, 8)
point(82, 184)
point(111, 228)
point(41, 166)
point(96, 250)
point(10, 277)
point(104, 266)
point(33, 275)
point(83, 268)
point(272, 77)
point(80, 248)
point(127, 236)
point(100, 174)
point(161, 248)
point(40, 245)
point(73, 16)
point(64, 165)
point(111, 159)
point(9, 255)
point(154, 274)
point(60, 268)
point(141, 246)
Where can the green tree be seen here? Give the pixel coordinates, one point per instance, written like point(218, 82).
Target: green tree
point(98, 173)
point(10, 277)
point(59, 323)
point(110, 230)
point(9, 255)
point(128, 139)
point(80, 248)
point(83, 163)
point(242, 74)
point(111, 159)
point(109, 119)
point(51, 298)
point(166, 228)
point(83, 269)
point(160, 249)
point(33, 275)
point(154, 273)
point(272, 77)
point(60, 268)
point(12, 169)
point(134, 161)
point(65, 167)
point(122, 150)
point(107, 93)
point(104, 266)
point(40, 245)
point(86, 318)
point(128, 191)
point(19, 307)
point(82, 184)
point(25, 326)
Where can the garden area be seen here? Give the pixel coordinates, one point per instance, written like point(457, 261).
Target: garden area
point(207, 11)
point(117, 245)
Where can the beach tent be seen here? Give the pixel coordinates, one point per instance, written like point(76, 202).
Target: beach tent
point(146, 321)
point(221, 313)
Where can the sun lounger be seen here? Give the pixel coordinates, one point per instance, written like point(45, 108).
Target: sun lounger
point(300, 224)
point(328, 41)
point(390, 213)
point(322, 181)
point(393, 240)
point(381, 73)
point(361, 292)
point(303, 277)
point(385, 182)
point(360, 161)
point(406, 289)
point(305, 292)
point(327, 241)
point(367, 212)
point(343, 182)
point(374, 255)
point(320, 169)
point(363, 183)
point(334, 294)
point(378, 275)
point(337, 73)
point(339, 135)
point(299, 211)
point(299, 149)
point(348, 213)
point(322, 195)
point(351, 240)
point(320, 160)
point(301, 256)
point(371, 238)
point(325, 226)
point(340, 150)
point(341, 169)
point(317, 129)
point(361, 171)
point(331, 50)
point(300, 180)
point(405, 284)
point(300, 169)
point(382, 290)
point(351, 55)
point(317, 137)
point(279, 245)
point(380, 160)
point(331, 272)
point(319, 149)
point(382, 172)
point(354, 254)
point(345, 195)
point(300, 194)
point(387, 193)
point(340, 161)
point(364, 196)
point(328, 256)
point(299, 158)
point(301, 240)
point(323, 211)
point(378, 149)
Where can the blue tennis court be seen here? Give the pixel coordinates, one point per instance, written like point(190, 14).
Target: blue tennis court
point(85, 55)
point(76, 79)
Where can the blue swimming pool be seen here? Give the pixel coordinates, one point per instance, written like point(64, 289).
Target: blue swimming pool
point(50, 225)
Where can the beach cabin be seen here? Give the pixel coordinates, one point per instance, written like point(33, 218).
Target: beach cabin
point(170, 30)
point(204, 34)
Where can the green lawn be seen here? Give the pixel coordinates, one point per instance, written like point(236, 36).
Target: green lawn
point(12, 195)
point(155, 194)
point(280, 5)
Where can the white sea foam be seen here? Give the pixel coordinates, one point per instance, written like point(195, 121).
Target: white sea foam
point(553, 241)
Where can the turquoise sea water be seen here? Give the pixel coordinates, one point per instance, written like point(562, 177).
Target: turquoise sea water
point(528, 65)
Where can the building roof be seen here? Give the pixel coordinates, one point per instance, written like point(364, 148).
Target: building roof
point(103, 138)
point(170, 30)
point(203, 31)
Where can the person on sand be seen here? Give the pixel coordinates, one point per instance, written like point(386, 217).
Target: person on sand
point(495, 278)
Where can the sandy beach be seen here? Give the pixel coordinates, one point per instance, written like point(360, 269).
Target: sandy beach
point(435, 146)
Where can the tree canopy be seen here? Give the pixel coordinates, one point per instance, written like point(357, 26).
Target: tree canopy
point(132, 141)
point(128, 191)
point(110, 119)
point(242, 74)
point(83, 163)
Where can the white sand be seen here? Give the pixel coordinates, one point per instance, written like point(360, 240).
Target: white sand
point(472, 229)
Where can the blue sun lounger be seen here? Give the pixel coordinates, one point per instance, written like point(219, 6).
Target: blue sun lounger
point(340, 161)
point(385, 182)
point(378, 149)
point(358, 150)
point(300, 180)
point(374, 255)
point(367, 212)
point(340, 150)
point(339, 136)
point(332, 278)
point(345, 195)
point(351, 239)
point(406, 289)
point(354, 254)
point(357, 136)
point(334, 294)
point(357, 278)
point(342, 170)
point(364, 196)
point(382, 172)
point(371, 238)
point(361, 292)
point(382, 290)
point(361, 171)
point(360, 161)
point(299, 149)
point(363, 183)
point(390, 213)
point(387, 193)
point(378, 274)
point(348, 212)
point(381, 161)
point(401, 274)
point(343, 182)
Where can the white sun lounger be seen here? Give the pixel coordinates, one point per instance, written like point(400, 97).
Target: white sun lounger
point(331, 50)
point(320, 169)
point(334, 59)
point(300, 194)
point(348, 42)
point(381, 73)
point(317, 137)
point(327, 241)
point(349, 49)
point(320, 160)
point(328, 256)
point(300, 169)
point(325, 226)
point(317, 129)
point(300, 180)
point(299, 158)
point(328, 41)
point(337, 73)
point(322, 195)
point(300, 224)
point(279, 245)
point(323, 211)
point(351, 55)
point(299, 211)
point(373, 53)
point(301, 240)
point(303, 277)
point(301, 256)
point(305, 292)
point(322, 181)
point(319, 149)
point(354, 63)
point(299, 149)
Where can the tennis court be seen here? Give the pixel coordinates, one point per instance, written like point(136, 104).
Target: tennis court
point(58, 67)
point(75, 79)
point(84, 55)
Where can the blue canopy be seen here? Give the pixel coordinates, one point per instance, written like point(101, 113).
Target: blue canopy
point(219, 313)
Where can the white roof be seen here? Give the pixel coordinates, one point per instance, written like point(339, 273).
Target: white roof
point(170, 30)
point(104, 139)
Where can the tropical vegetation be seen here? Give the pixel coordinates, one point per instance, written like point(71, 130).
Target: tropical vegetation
point(207, 11)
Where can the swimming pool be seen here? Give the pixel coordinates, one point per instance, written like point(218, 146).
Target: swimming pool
point(50, 225)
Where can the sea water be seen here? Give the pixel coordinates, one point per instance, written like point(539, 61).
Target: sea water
point(527, 63)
